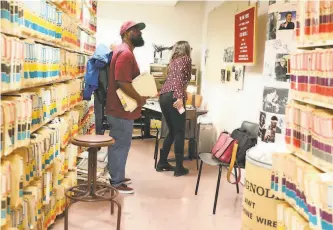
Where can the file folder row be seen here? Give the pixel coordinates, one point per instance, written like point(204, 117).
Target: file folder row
point(288, 218)
point(314, 21)
point(34, 178)
point(310, 131)
point(88, 20)
point(12, 58)
point(87, 42)
point(41, 63)
point(28, 110)
point(41, 20)
point(304, 188)
point(25, 63)
point(72, 65)
point(16, 116)
point(312, 75)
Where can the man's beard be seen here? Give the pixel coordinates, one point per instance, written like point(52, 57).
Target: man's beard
point(137, 41)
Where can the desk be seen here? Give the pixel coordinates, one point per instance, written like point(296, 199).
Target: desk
point(152, 110)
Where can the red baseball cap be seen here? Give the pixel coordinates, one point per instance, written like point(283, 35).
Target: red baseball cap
point(129, 24)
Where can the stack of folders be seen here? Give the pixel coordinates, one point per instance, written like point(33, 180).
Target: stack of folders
point(305, 188)
point(145, 85)
point(33, 193)
point(318, 29)
point(72, 65)
point(288, 218)
point(311, 74)
point(11, 16)
point(87, 42)
point(64, 125)
point(41, 63)
point(45, 16)
point(12, 50)
point(75, 114)
point(322, 135)
point(310, 131)
point(16, 114)
point(69, 32)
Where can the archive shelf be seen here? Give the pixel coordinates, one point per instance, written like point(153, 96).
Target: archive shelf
point(44, 42)
point(77, 21)
point(314, 162)
point(313, 102)
point(44, 221)
point(39, 84)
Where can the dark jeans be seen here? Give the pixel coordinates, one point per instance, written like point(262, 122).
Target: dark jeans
point(176, 133)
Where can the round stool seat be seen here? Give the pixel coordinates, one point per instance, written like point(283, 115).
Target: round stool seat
point(92, 141)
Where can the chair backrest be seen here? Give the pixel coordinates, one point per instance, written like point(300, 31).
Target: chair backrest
point(251, 128)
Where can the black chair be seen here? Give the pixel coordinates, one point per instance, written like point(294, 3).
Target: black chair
point(190, 133)
point(207, 157)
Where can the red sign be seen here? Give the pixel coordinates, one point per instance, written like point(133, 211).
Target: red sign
point(245, 25)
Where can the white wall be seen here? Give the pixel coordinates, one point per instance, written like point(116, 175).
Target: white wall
point(165, 25)
point(227, 107)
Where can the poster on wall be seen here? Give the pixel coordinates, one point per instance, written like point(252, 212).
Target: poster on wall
point(245, 36)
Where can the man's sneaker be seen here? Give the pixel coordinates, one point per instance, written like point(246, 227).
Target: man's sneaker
point(127, 181)
point(123, 189)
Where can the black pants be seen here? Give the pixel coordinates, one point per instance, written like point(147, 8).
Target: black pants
point(176, 133)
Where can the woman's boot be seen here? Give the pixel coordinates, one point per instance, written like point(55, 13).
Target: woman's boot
point(163, 164)
point(180, 170)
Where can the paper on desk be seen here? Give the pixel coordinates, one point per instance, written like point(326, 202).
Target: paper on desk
point(144, 84)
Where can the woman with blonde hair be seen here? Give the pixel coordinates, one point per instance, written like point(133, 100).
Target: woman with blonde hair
point(172, 100)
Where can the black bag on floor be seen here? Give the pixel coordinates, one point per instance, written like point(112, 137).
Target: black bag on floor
point(245, 142)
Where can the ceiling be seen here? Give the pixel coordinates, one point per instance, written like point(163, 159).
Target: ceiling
point(150, 2)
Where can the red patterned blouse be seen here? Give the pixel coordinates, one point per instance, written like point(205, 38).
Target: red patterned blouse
point(179, 74)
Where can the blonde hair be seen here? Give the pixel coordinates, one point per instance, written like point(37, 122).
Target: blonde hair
point(181, 48)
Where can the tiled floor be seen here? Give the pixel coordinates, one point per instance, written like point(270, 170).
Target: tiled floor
point(162, 201)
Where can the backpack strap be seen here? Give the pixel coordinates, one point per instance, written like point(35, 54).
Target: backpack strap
point(232, 164)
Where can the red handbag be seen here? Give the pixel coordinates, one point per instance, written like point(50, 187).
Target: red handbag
point(225, 150)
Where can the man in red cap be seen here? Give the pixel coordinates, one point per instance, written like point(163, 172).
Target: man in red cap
point(123, 69)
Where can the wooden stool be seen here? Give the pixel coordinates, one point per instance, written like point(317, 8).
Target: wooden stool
point(92, 191)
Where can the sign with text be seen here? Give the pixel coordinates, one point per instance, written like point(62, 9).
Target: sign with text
point(245, 36)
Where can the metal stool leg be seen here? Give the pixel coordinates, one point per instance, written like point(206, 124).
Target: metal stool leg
point(198, 180)
point(156, 152)
point(156, 145)
point(217, 188)
point(112, 204)
point(119, 213)
point(66, 218)
point(237, 188)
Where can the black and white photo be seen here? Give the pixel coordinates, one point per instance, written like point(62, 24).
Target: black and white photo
point(272, 26)
point(281, 67)
point(228, 55)
point(274, 126)
point(262, 125)
point(275, 100)
point(228, 75)
point(223, 75)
